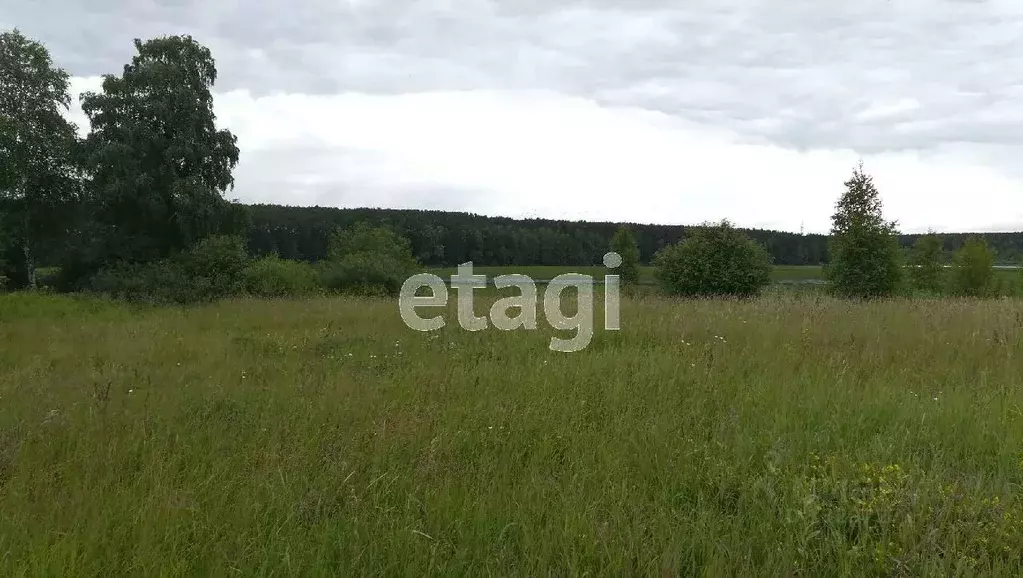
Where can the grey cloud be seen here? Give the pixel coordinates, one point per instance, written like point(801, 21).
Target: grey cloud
point(798, 73)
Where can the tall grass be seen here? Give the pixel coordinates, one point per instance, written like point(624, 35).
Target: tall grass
point(781, 436)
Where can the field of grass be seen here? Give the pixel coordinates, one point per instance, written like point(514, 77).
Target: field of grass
point(780, 436)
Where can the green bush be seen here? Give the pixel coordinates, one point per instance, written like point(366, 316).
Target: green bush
point(714, 261)
point(154, 283)
point(364, 274)
point(973, 269)
point(367, 260)
point(275, 277)
point(215, 265)
point(210, 270)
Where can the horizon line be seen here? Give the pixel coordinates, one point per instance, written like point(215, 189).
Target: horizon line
point(597, 222)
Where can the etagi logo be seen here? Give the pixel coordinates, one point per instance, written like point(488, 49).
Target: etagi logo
point(464, 282)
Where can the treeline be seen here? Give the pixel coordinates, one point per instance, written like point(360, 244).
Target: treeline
point(441, 238)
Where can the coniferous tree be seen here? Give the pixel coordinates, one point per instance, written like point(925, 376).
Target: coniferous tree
point(926, 269)
point(973, 268)
point(624, 243)
point(865, 258)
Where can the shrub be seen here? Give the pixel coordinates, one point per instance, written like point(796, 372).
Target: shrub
point(275, 277)
point(973, 269)
point(367, 260)
point(714, 261)
point(215, 265)
point(157, 283)
point(210, 270)
point(364, 274)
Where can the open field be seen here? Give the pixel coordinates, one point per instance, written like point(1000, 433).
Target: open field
point(774, 437)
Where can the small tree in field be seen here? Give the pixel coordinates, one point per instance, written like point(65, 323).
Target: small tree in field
point(973, 269)
point(926, 270)
point(624, 243)
point(714, 261)
point(865, 259)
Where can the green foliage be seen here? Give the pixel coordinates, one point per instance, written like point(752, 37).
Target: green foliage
point(925, 266)
point(367, 260)
point(159, 165)
point(13, 266)
point(865, 257)
point(624, 243)
point(38, 178)
point(973, 269)
point(157, 283)
point(363, 274)
point(714, 261)
point(445, 239)
point(272, 276)
point(215, 264)
point(365, 238)
point(211, 270)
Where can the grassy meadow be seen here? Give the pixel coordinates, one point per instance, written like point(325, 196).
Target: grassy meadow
point(776, 437)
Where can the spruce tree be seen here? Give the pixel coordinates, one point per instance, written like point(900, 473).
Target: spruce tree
point(925, 264)
point(865, 259)
point(624, 243)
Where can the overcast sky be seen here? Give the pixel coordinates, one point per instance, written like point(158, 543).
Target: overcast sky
point(635, 110)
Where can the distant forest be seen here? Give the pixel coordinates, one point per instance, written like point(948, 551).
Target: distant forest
point(441, 238)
